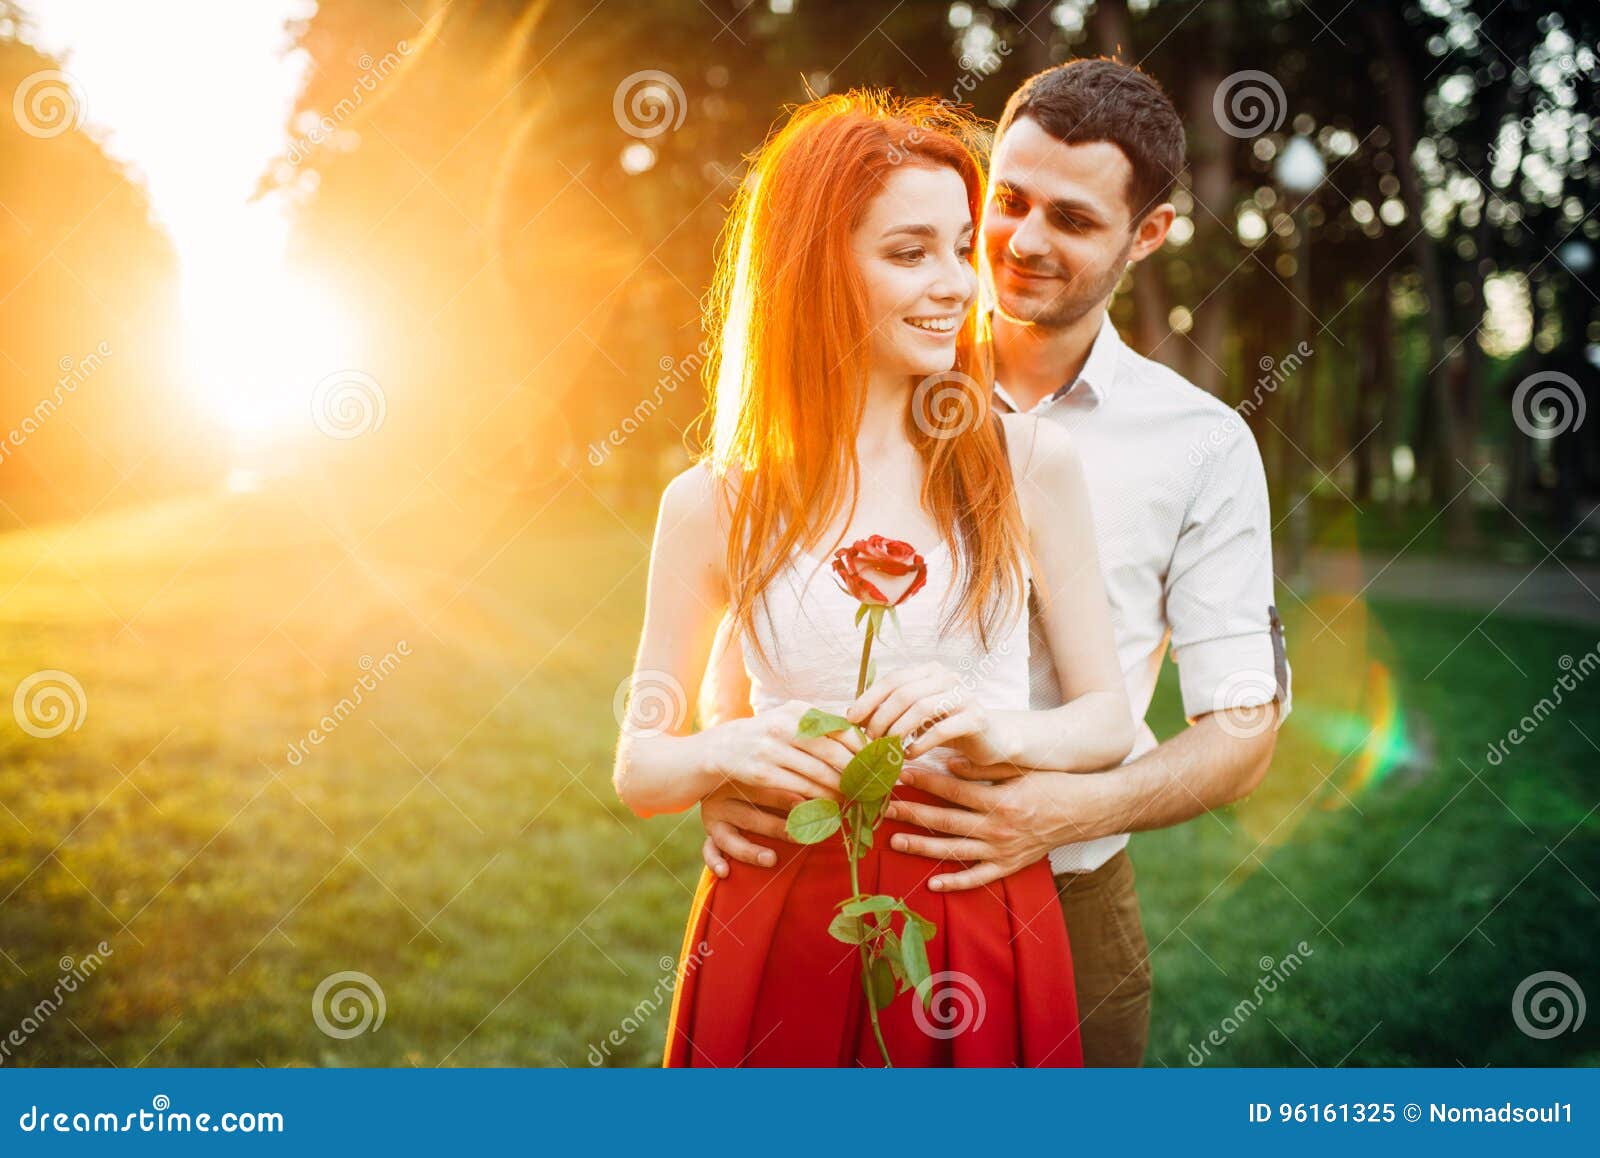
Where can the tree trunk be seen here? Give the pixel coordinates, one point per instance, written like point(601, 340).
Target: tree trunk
point(1211, 170)
point(1400, 91)
point(1109, 30)
point(1038, 34)
point(1111, 33)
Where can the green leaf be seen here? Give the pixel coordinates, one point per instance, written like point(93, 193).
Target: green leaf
point(812, 821)
point(926, 927)
point(879, 982)
point(861, 613)
point(891, 953)
point(872, 772)
point(894, 614)
point(872, 672)
point(874, 904)
point(850, 930)
point(914, 956)
point(817, 722)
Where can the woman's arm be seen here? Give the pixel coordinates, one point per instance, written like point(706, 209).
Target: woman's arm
point(661, 766)
point(725, 691)
point(1093, 728)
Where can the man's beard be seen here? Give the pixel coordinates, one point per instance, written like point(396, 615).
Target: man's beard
point(1075, 299)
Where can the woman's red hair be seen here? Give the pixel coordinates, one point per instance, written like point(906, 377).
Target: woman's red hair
point(789, 370)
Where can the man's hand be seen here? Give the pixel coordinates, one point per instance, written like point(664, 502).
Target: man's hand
point(1000, 827)
point(731, 815)
point(1007, 825)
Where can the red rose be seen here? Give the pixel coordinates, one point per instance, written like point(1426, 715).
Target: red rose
point(880, 571)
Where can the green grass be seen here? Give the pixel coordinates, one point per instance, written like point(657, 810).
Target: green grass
point(456, 838)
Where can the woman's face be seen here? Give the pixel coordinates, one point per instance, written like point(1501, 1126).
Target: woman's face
point(914, 250)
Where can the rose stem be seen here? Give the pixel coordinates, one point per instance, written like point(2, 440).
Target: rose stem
point(866, 966)
point(866, 652)
point(855, 880)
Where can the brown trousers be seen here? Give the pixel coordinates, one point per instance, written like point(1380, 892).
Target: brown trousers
point(1110, 960)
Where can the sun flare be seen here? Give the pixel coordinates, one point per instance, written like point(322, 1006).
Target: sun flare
point(197, 131)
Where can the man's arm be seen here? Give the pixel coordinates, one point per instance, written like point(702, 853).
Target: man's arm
point(1232, 676)
point(1219, 759)
point(1005, 825)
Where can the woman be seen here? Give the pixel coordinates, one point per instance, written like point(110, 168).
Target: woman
point(844, 306)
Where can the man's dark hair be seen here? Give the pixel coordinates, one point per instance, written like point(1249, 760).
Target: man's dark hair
point(1105, 100)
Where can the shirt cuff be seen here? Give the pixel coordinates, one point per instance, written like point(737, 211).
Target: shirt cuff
point(1240, 671)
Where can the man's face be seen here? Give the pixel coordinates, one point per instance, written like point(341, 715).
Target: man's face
point(1057, 229)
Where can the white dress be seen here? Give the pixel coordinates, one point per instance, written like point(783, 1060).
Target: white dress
point(806, 623)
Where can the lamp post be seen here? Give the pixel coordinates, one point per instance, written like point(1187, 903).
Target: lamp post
point(1298, 171)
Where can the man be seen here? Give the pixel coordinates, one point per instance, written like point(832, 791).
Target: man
point(1084, 161)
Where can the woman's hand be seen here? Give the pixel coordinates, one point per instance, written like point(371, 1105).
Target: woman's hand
point(929, 705)
point(763, 752)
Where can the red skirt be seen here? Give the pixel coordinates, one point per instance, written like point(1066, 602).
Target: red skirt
point(761, 983)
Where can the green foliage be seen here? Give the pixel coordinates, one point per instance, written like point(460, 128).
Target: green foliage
point(880, 983)
point(874, 904)
point(817, 722)
point(812, 821)
point(872, 772)
point(850, 930)
point(890, 965)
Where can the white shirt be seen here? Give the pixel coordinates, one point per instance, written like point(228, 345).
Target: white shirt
point(1184, 532)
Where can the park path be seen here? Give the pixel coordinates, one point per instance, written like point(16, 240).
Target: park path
point(1553, 590)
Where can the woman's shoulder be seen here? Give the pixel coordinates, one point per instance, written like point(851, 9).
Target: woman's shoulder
point(1038, 447)
point(694, 486)
point(692, 504)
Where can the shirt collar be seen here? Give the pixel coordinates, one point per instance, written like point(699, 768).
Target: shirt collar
point(1097, 376)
